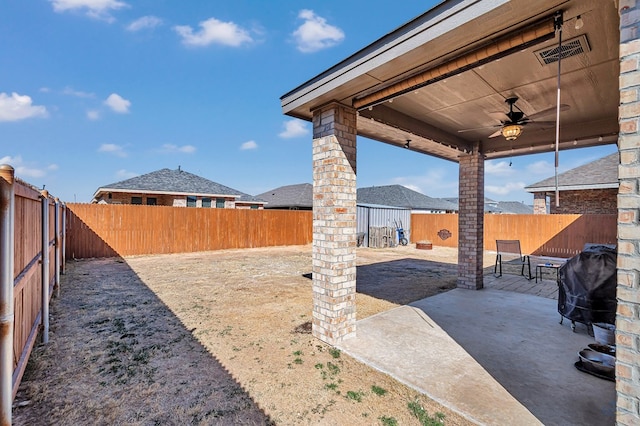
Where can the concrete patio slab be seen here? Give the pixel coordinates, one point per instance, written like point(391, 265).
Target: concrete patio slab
point(497, 357)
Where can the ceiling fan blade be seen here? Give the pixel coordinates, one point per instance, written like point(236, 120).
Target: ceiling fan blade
point(496, 133)
point(540, 123)
point(479, 128)
point(545, 112)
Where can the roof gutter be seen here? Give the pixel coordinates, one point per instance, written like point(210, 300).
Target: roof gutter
point(574, 187)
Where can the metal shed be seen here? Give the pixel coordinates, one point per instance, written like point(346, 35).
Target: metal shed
point(373, 219)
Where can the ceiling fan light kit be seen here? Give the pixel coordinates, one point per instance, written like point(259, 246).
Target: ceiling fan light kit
point(511, 131)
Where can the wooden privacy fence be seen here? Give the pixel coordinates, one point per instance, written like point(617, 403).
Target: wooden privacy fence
point(31, 260)
point(557, 235)
point(106, 230)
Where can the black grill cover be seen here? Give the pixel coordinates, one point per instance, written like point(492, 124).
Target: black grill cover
point(587, 287)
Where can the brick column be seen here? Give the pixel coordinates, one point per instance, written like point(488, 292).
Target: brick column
point(628, 290)
point(471, 221)
point(539, 203)
point(334, 223)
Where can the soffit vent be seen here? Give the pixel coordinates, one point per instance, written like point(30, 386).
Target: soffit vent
point(571, 47)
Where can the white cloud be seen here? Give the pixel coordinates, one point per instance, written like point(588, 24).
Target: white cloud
point(77, 93)
point(213, 31)
point(17, 107)
point(112, 148)
point(540, 168)
point(249, 145)
point(146, 22)
point(124, 174)
point(505, 189)
point(498, 168)
point(26, 171)
point(436, 182)
point(117, 103)
point(93, 115)
point(293, 129)
point(168, 148)
point(98, 9)
point(315, 34)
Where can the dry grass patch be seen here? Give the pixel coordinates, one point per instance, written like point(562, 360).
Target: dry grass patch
point(221, 338)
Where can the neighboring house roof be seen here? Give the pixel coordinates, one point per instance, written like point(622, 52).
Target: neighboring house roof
point(175, 182)
point(513, 207)
point(299, 196)
point(401, 196)
point(599, 174)
point(504, 207)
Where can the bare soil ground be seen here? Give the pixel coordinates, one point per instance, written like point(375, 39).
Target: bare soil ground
point(220, 338)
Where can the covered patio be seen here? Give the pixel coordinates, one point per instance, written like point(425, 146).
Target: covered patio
point(498, 357)
point(466, 81)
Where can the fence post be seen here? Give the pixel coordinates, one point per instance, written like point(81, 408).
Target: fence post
point(7, 208)
point(56, 261)
point(45, 265)
point(63, 258)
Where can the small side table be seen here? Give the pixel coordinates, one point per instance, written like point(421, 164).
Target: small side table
point(555, 266)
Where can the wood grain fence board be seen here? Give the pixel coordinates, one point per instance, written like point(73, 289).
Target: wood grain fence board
point(95, 230)
point(542, 235)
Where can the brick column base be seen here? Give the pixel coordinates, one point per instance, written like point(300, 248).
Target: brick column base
point(334, 223)
point(471, 221)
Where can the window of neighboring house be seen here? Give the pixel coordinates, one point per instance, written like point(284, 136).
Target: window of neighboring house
point(136, 200)
point(219, 203)
point(152, 201)
point(191, 201)
point(254, 207)
point(206, 202)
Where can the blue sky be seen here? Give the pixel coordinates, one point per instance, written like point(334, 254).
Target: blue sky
point(93, 92)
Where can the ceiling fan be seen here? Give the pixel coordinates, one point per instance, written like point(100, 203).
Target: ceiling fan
point(512, 126)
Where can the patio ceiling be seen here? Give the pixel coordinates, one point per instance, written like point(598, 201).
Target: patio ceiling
point(452, 69)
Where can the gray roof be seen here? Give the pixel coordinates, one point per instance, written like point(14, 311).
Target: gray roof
point(299, 196)
point(505, 207)
point(176, 182)
point(401, 196)
point(599, 174)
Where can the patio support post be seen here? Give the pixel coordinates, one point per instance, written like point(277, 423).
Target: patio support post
point(7, 231)
point(471, 220)
point(334, 222)
point(628, 289)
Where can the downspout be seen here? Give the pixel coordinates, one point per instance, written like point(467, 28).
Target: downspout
point(557, 23)
point(7, 209)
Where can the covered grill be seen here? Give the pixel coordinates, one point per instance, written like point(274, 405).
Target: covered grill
point(587, 286)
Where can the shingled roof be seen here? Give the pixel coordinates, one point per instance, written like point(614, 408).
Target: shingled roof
point(500, 207)
point(599, 174)
point(401, 196)
point(167, 181)
point(298, 196)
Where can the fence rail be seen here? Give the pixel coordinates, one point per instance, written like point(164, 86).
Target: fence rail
point(557, 235)
point(31, 259)
point(107, 230)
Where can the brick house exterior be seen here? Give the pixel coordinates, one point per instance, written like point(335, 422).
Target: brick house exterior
point(589, 189)
point(175, 188)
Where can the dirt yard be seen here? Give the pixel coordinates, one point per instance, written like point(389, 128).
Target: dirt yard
point(221, 338)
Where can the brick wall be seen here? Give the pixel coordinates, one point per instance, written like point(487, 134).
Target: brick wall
point(628, 290)
point(539, 203)
point(165, 200)
point(334, 223)
point(471, 221)
point(588, 201)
